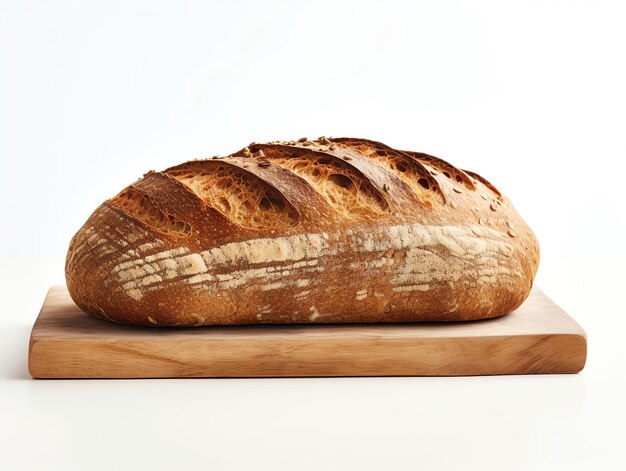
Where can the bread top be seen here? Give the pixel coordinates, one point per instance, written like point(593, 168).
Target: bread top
point(283, 188)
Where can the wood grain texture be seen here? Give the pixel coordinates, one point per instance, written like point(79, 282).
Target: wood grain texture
point(538, 337)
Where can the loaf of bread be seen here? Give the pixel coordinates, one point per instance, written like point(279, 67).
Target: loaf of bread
point(307, 231)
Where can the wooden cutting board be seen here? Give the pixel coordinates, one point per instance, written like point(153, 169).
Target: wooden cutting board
point(537, 338)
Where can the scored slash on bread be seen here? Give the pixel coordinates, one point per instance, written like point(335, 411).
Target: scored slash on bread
point(326, 230)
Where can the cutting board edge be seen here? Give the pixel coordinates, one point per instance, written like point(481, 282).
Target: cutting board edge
point(566, 354)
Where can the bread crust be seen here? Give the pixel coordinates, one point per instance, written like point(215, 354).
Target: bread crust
point(330, 230)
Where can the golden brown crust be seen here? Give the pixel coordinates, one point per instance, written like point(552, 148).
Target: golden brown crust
point(330, 230)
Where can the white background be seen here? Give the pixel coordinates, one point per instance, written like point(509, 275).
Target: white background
point(529, 94)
